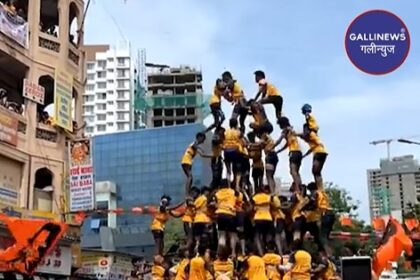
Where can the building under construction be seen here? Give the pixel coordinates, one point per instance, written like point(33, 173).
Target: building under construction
point(172, 96)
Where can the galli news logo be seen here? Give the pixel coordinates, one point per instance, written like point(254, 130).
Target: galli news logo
point(377, 42)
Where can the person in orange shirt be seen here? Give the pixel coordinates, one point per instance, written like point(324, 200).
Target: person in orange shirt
point(270, 94)
point(198, 268)
point(223, 266)
point(272, 261)
point(261, 123)
point(254, 266)
point(188, 216)
point(309, 118)
point(255, 153)
point(262, 217)
point(188, 157)
point(295, 153)
point(158, 223)
point(217, 159)
point(300, 263)
point(216, 104)
point(202, 220)
point(184, 255)
point(158, 270)
point(236, 96)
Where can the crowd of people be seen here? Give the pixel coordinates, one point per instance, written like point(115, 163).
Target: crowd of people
point(238, 228)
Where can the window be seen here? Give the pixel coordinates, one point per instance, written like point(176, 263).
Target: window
point(157, 123)
point(110, 59)
point(102, 63)
point(110, 92)
point(101, 127)
point(111, 70)
point(110, 113)
point(110, 102)
point(110, 124)
point(111, 82)
point(102, 85)
point(88, 98)
point(90, 87)
point(89, 119)
point(91, 77)
point(101, 96)
point(121, 73)
point(120, 94)
point(169, 112)
point(101, 117)
point(89, 109)
point(120, 105)
point(120, 126)
point(121, 61)
point(101, 106)
point(89, 129)
point(120, 84)
point(90, 66)
point(120, 116)
point(190, 111)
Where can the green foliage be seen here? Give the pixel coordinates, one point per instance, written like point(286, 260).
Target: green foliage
point(174, 233)
point(341, 201)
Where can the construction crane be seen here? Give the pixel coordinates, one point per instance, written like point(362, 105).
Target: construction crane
point(389, 141)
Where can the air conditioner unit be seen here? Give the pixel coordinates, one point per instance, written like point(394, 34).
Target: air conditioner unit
point(106, 187)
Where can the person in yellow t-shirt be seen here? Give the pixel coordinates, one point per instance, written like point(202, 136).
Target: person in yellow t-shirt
point(223, 266)
point(279, 220)
point(271, 159)
point(233, 146)
point(159, 219)
point(300, 263)
point(217, 159)
point(255, 153)
point(216, 104)
point(198, 268)
point(188, 216)
point(237, 97)
point(225, 200)
point(270, 94)
point(188, 157)
point(325, 269)
point(261, 123)
point(241, 211)
point(202, 220)
point(262, 217)
point(272, 261)
point(184, 256)
point(320, 154)
point(298, 202)
point(295, 153)
point(254, 266)
point(309, 118)
point(313, 215)
point(158, 270)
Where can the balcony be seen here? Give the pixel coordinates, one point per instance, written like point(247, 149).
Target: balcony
point(49, 42)
point(14, 27)
point(46, 133)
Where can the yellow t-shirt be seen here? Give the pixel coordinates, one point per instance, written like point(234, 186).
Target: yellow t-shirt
point(159, 220)
point(262, 207)
point(201, 212)
point(311, 122)
point(232, 139)
point(330, 272)
point(237, 92)
point(217, 150)
point(225, 201)
point(323, 201)
point(216, 96)
point(272, 261)
point(188, 216)
point(180, 274)
point(297, 208)
point(189, 154)
point(255, 153)
point(271, 89)
point(158, 272)
point(268, 143)
point(197, 269)
point(292, 141)
point(223, 270)
point(315, 144)
point(276, 211)
point(256, 269)
point(239, 202)
point(301, 268)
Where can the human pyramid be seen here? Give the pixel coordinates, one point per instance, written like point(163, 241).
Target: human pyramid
point(257, 234)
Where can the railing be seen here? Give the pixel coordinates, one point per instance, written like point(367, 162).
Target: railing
point(73, 54)
point(47, 135)
point(49, 42)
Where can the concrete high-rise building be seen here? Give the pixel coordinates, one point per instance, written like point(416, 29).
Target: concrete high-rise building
point(394, 185)
point(41, 74)
point(174, 96)
point(108, 97)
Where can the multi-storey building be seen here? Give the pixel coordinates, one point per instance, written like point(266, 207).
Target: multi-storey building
point(174, 96)
point(144, 165)
point(107, 101)
point(394, 185)
point(41, 71)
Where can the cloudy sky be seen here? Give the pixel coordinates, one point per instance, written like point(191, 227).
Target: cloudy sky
point(299, 44)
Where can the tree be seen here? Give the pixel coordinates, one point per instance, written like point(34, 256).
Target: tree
point(174, 233)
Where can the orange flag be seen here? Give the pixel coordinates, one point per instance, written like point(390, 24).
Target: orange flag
point(346, 221)
point(378, 224)
point(411, 223)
